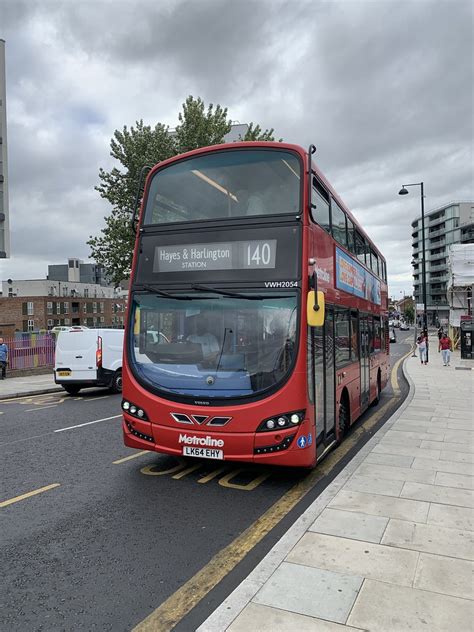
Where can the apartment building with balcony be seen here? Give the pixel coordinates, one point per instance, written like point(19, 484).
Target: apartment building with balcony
point(446, 225)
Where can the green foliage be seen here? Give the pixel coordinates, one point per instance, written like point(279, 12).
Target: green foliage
point(256, 133)
point(145, 145)
point(409, 314)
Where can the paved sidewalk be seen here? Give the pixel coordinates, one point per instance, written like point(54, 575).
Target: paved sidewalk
point(29, 385)
point(388, 545)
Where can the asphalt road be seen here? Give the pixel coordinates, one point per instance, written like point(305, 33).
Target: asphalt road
point(107, 540)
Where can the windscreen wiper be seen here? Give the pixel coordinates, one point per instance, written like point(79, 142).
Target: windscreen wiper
point(249, 297)
point(154, 290)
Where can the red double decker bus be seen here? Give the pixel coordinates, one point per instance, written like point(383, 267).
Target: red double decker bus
point(257, 318)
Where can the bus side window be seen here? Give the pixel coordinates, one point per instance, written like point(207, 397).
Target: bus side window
point(354, 336)
point(321, 214)
point(375, 262)
point(360, 247)
point(351, 236)
point(338, 224)
point(343, 342)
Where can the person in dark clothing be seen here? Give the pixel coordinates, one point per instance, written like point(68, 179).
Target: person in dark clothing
point(3, 359)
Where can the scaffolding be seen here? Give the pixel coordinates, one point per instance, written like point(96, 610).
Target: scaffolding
point(459, 288)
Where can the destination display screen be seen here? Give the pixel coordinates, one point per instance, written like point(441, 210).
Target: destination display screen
point(245, 254)
point(230, 255)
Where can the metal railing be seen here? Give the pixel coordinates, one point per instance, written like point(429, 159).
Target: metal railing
point(30, 351)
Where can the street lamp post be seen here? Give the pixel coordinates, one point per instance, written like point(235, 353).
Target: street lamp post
point(403, 191)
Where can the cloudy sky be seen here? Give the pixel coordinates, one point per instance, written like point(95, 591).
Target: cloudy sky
point(384, 89)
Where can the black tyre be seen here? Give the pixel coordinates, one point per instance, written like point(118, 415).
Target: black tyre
point(72, 389)
point(344, 417)
point(116, 385)
point(379, 390)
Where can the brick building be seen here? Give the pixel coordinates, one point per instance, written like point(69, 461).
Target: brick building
point(36, 313)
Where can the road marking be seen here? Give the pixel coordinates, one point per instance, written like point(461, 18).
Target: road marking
point(248, 487)
point(87, 423)
point(181, 602)
point(30, 410)
point(28, 397)
point(94, 399)
point(132, 456)
point(394, 378)
point(17, 499)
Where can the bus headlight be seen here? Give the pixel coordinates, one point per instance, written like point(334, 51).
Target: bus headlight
point(280, 422)
point(133, 410)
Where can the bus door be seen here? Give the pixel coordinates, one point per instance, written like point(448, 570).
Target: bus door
point(364, 344)
point(324, 379)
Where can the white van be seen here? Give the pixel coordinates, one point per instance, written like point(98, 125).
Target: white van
point(89, 357)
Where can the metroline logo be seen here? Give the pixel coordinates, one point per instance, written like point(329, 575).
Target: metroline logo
point(207, 441)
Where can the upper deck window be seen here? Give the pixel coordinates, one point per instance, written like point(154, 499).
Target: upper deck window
point(320, 211)
point(226, 184)
point(339, 224)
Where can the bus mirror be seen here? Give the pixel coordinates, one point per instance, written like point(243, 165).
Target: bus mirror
point(315, 308)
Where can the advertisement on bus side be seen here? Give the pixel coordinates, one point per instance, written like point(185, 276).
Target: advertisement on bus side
point(353, 278)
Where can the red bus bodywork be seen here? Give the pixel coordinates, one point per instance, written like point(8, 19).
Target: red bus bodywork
point(239, 439)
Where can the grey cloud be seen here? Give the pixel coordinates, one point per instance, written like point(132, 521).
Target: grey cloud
point(384, 89)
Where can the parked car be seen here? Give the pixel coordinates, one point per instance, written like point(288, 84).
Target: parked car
point(404, 327)
point(89, 357)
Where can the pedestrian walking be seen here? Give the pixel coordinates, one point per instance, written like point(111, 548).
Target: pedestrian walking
point(445, 346)
point(3, 359)
point(422, 343)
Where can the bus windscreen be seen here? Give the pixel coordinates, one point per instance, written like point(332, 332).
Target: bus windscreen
point(213, 346)
point(225, 184)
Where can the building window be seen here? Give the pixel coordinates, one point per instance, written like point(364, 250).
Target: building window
point(101, 308)
point(50, 322)
point(94, 308)
point(65, 290)
point(84, 307)
point(66, 307)
point(31, 325)
point(49, 307)
point(86, 292)
point(30, 309)
point(67, 321)
point(102, 319)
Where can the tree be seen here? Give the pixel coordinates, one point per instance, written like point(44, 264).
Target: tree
point(409, 314)
point(145, 145)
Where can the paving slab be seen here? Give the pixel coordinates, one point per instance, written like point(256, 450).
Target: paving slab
point(451, 516)
point(378, 505)
point(442, 466)
point(445, 575)
point(326, 595)
point(390, 459)
point(349, 524)
point(374, 485)
point(430, 539)
point(454, 480)
point(438, 494)
point(388, 608)
point(466, 447)
point(375, 470)
point(267, 619)
point(353, 557)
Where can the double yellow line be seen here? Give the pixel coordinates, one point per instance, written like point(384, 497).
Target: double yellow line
point(180, 603)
